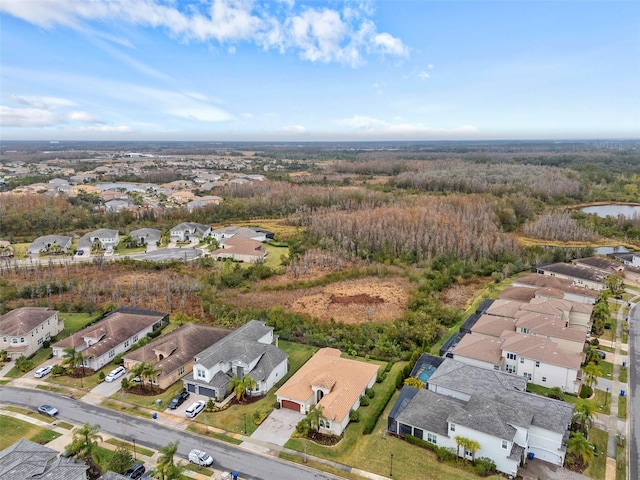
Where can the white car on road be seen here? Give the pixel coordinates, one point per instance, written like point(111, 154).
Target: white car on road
point(200, 458)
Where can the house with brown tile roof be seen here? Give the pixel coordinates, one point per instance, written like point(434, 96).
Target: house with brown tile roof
point(521, 294)
point(574, 294)
point(334, 383)
point(480, 351)
point(492, 326)
point(580, 276)
point(552, 328)
point(114, 334)
point(575, 315)
point(173, 355)
point(24, 330)
point(505, 308)
point(240, 250)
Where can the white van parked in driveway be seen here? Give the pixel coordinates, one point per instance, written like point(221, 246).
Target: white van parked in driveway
point(115, 374)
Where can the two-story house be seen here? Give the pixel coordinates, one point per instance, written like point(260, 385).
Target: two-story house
point(189, 231)
point(250, 350)
point(23, 331)
point(103, 237)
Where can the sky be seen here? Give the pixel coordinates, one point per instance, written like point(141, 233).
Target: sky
point(289, 70)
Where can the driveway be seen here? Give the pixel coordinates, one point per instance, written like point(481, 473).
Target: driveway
point(180, 411)
point(278, 427)
point(106, 389)
point(539, 470)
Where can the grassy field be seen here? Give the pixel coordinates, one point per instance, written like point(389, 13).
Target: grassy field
point(129, 446)
point(14, 430)
point(273, 255)
point(622, 407)
point(38, 357)
point(150, 401)
point(621, 462)
point(597, 466)
point(623, 374)
point(30, 413)
point(74, 322)
point(606, 368)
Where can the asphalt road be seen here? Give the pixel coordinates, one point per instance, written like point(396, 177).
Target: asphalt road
point(153, 434)
point(633, 400)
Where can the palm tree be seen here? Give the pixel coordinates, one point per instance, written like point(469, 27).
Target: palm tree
point(579, 449)
point(85, 440)
point(460, 442)
point(149, 372)
point(249, 383)
point(73, 359)
point(583, 413)
point(166, 466)
point(473, 446)
point(238, 387)
point(315, 417)
point(592, 371)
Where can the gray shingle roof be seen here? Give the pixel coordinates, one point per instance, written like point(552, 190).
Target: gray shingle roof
point(241, 344)
point(469, 379)
point(429, 411)
point(22, 320)
point(27, 460)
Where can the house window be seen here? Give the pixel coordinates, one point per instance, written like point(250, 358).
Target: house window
point(21, 339)
point(201, 373)
point(431, 438)
point(521, 360)
point(14, 340)
point(48, 322)
point(527, 376)
point(4, 339)
point(47, 336)
point(511, 369)
point(327, 424)
point(112, 353)
point(452, 427)
point(135, 338)
point(505, 444)
point(525, 330)
point(544, 379)
point(537, 363)
point(126, 343)
point(40, 340)
point(511, 356)
point(181, 370)
point(496, 367)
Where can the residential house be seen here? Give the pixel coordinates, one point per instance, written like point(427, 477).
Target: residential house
point(24, 330)
point(49, 243)
point(103, 237)
point(173, 355)
point(181, 196)
point(545, 282)
point(201, 202)
point(114, 334)
point(240, 250)
point(580, 276)
point(27, 460)
point(189, 231)
point(490, 408)
point(606, 266)
point(6, 250)
point(253, 233)
point(329, 381)
point(249, 350)
point(118, 205)
point(146, 236)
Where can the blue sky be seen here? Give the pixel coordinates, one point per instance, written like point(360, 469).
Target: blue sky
point(318, 70)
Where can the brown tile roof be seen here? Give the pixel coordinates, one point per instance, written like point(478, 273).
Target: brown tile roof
point(493, 326)
point(22, 320)
point(178, 347)
point(543, 350)
point(486, 349)
point(241, 246)
point(111, 331)
point(565, 285)
point(505, 308)
point(348, 380)
point(539, 324)
point(522, 294)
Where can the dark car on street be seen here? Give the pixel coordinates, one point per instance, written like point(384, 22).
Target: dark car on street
point(178, 399)
point(136, 471)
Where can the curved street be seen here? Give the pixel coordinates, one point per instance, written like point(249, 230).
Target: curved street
point(154, 434)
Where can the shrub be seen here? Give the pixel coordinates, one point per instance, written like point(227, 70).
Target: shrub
point(370, 422)
point(58, 370)
point(586, 391)
point(370, 393)
point(484, 466)
point(46, 344)
point(276, 404)
point(381, 377)
point(364, 401)
point(101, 376)
point(420, 442)
point(446, 454)
point(354, 416)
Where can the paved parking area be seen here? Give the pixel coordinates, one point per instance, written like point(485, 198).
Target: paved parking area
point(539, 470)
point(179, 412)
point(278, 427)
point(166, 254)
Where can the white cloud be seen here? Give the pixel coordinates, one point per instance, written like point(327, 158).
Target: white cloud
point(424, 76)
point(202, 113)
point(27, 117)
point(430, 66)
point(295, 128)
point(402, 129)
point(43, 103)
point(102, 129)
point(317, 34)
point(79, 116)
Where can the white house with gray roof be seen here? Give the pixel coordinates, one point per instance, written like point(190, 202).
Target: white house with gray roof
point(250, 350)
point(47, 243)
point(225, 233)
point(105, 237)
point(146, 236)
point(489, 407)
point(189, 231)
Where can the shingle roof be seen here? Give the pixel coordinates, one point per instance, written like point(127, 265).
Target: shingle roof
point(150, 234)
point(429, 411)
point(565, 285)
point(505, 308)
point(487, 349)
point(486, 415)
point(112, 330)
point(521, 294)
point(26, 460)
point(198, 228)
point(242, 343)
point(241, 246)
point(178, 347)
point(351, 380)
point(541, 349)
point(539, 324)
point(574, 271)
point(22, 320)
point(41, 243)
point(493, 326)
point(469, 379)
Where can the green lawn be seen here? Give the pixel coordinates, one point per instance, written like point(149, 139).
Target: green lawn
point(597, 466)
point(600, 401)
point(37, 358)
point(150, 400)
point(621, 463)
point(84, 383)
point(622, 377)
point(74, 322)
point(129, 446)
point(622, 407)
point(31, 413)
point(606, 368)
point(273, 255)
point(13, 430)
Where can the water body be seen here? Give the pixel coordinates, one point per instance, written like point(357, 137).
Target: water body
point(613, 210)
point(610, 250)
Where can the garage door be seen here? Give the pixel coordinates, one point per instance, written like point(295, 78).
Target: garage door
point(288, 404)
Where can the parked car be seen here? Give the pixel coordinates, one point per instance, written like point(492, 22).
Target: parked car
point(194, 409)
point(42, 371)
point(80, 252)
point(601, 354)
point(178, 399)
point(48, 410)
point(115, 374)
point(135, 380)
point(136, 471)
point(200, 458)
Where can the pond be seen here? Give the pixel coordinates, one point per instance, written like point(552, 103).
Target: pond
point(610, 250)
point(613, 210)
